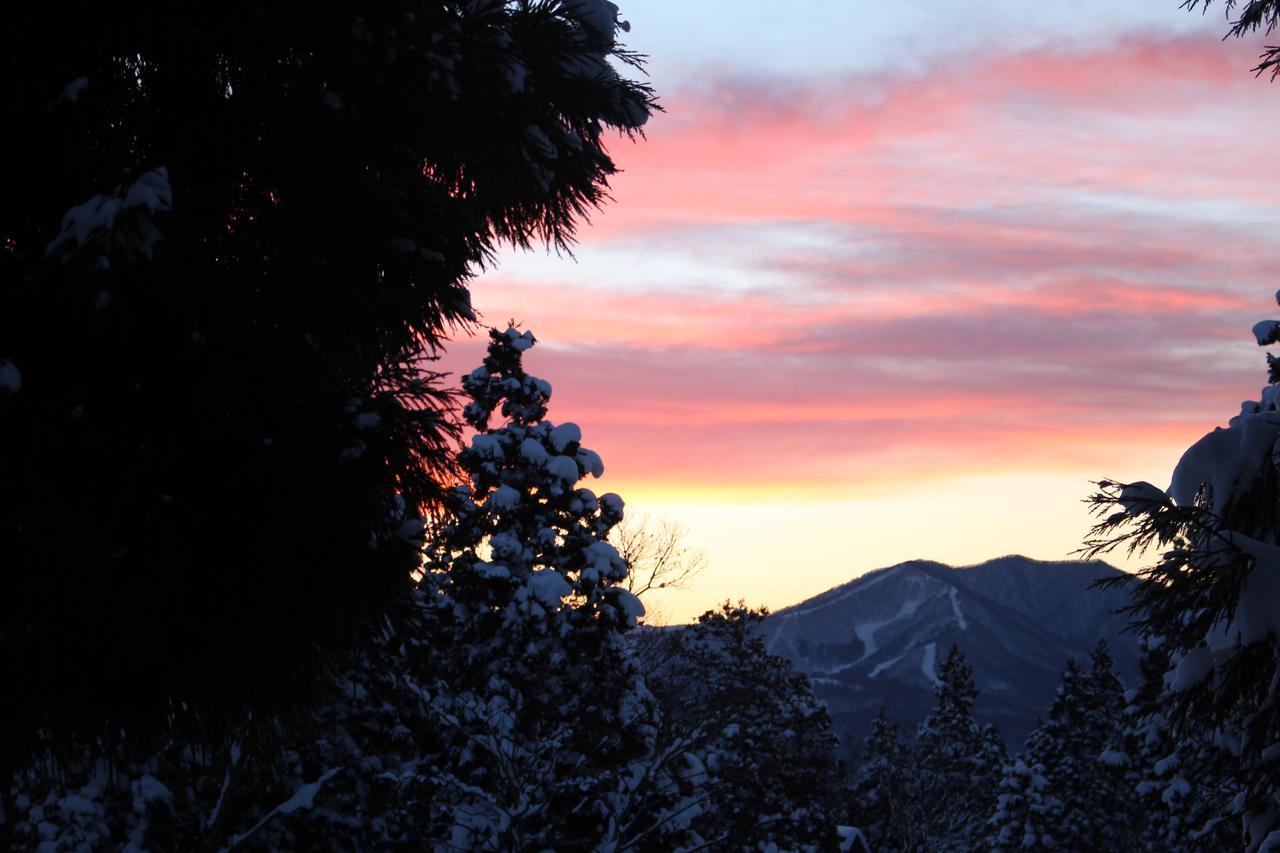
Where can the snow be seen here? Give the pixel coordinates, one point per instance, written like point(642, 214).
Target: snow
point(598, 16)
point(955, 608)
point(1258, 608)
point(849, 836)
point(487, 447)
point(10, 376)
point(504, 497)
point(303, 798)
point(1226, 458)
point(1194, 667)
point(564, 435)
point(881, 667)
point(532, 450)
point(520, 341)
point(548, 586)
point(602, 557)
point(148, 789)
point(1113, 758)
point(631, 605)
point(928, 664)
point(1137, 498)
point(866, 631)
point(564, 467)
point(99, 216)
point(1267, 332)
point(613, 503)
point(74, 89)
point(492, 571)
point(590, 462)
point(514, 73)
point(411, 529)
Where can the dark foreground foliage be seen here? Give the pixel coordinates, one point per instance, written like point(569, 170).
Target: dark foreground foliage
point(230, 235)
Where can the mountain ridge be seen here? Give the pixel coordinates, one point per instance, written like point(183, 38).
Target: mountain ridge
point(875, 640)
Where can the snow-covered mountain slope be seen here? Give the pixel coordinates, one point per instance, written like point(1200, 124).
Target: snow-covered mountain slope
point(876, 640)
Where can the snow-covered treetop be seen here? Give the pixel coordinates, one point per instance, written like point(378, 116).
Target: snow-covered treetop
point(545, 536)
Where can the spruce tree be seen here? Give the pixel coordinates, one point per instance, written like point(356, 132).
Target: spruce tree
point(235, 235)
point(1182, 780)
point(1113, 828)
point(881, 792)
point(957, 763)
point(760, 744)
point(1023, 811)
point(549, 720)
point(1211, 595)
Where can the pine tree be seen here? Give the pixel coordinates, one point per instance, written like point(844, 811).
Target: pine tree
point(1182, 782)
point(550, 719)
point(1211, 595)
point(1023, 811)
point(232, 236)
point(957, 763)
point(881, 792)
point(1104, 716)
point(1066, 748)
point(761, 744)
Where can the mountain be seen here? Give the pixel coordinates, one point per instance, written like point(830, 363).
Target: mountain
point(876, 640)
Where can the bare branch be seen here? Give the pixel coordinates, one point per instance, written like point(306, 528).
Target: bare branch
point(658, 553)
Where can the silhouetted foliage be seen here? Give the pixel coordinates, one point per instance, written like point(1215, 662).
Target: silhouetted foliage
point(1254, 15)
point(1211, 596)
point(231, 238)
point(758, 750)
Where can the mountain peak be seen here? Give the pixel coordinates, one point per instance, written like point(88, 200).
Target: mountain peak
point(875, 641)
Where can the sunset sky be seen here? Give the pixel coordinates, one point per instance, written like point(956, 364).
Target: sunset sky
point(897, 280)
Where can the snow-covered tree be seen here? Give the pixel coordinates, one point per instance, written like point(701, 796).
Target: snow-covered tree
point(881, 791)
point(231, 237)
point(1069, 749)
point(550, 719)
point(1212, 594)
point(956, 763)
point(761, 745)
point(1023, 813)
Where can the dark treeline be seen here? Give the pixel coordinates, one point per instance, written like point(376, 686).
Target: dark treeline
point(1103, 771)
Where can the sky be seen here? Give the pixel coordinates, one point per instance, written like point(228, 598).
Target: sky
point(889, 281)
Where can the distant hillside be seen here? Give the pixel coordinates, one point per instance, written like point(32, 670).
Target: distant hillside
point(877, 639)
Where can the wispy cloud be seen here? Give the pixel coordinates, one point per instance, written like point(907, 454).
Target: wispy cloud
point(1040, 261)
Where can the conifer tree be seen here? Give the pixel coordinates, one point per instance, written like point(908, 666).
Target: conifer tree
point(957, 763)
point(1066, 749)
point(762, 745)
point(236, 233)
point(881, 793)
point(549, 719)
point(1182, 781)
point(1211, 596)
point(1023, 811)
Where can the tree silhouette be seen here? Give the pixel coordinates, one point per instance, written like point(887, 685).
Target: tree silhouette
point(232, 237)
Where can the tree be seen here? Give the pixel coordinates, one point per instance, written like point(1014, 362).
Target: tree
point(956, 763)
point(232, 238)
point(1254, 15)
point(1023, 811)
point(550, 721)
point(1211, 595)
point(758, 744)
point(1067, 747)
point(658, 554)
point(881, 794)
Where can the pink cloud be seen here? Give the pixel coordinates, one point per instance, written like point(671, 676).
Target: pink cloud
point(1045, 260)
